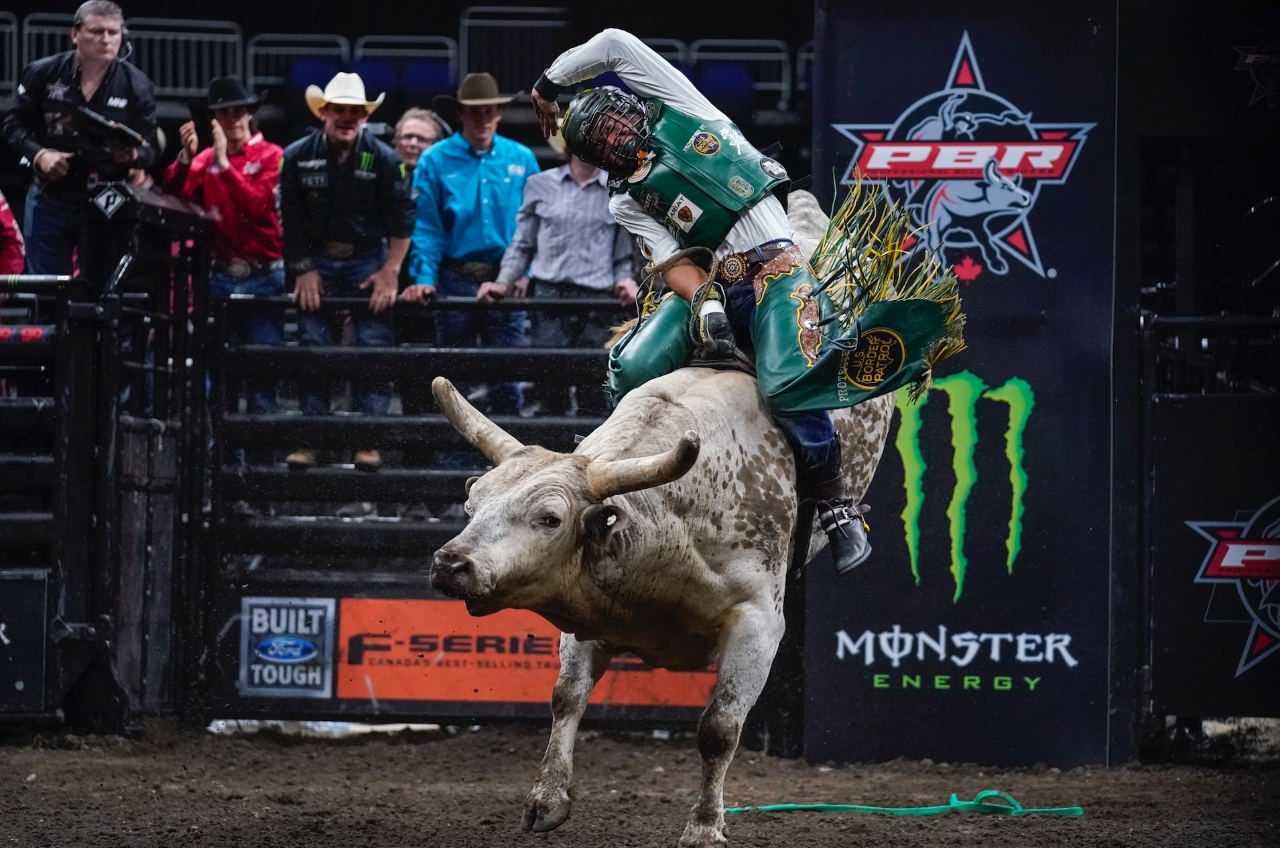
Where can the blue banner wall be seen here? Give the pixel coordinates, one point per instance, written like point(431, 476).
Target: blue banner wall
point(978, 630)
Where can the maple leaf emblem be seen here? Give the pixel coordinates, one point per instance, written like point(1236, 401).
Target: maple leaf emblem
point(968, 270)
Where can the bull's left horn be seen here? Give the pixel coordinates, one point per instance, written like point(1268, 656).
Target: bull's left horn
point(619, 476)
point(494, 442)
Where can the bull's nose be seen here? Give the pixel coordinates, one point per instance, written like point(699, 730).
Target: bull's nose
point(451, 562)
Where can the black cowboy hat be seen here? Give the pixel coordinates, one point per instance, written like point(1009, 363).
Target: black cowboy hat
point(225, 92)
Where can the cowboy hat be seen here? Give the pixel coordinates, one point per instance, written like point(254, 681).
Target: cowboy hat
point(225, 92)
point(343, 89)
point(476, 90)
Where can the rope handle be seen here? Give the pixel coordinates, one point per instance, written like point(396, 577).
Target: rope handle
point(991, 801)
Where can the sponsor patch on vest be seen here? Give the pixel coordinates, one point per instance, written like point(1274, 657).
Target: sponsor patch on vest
point(642, 171)
point(320, 180)
point(684, 213)
point(117, 102)
point(740, 187)
point(366, 175)
point(312, 163)
point(705, 143)
point(772, 168)
point(880, 354)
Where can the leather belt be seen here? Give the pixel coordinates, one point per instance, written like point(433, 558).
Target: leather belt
point(239, 269)
point(742, 267)
point(339, 250)
point(473, 271)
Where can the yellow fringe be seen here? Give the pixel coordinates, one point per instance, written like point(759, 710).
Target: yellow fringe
point(863, 254)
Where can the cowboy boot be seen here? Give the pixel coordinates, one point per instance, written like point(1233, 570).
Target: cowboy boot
point(846, 531)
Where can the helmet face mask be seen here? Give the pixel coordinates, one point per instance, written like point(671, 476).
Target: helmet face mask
point(607, 128)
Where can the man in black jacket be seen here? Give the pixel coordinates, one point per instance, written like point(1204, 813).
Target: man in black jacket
point(67, 164)
point(347, 218)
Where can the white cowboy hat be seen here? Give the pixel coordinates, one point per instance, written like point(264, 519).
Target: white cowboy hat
point(345, 89)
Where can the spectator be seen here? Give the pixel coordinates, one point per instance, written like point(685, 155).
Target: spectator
point(416, 131)
point(66, 163)
point(235, 182)
point(12, 247)
point(347, 217)
point(468, 189)
point(570, 246)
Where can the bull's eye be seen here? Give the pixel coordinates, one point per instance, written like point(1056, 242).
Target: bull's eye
point(549, 521)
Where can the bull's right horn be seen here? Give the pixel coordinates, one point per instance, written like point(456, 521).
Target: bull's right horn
point(619, 476)
point(494, 442)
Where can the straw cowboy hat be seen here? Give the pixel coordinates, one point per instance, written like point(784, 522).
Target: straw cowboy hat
point(344, 89)
point(476, 90)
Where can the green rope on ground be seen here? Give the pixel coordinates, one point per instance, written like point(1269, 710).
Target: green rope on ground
point(987, 801)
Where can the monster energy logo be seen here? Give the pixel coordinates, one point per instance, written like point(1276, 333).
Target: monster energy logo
point(963, 392)
point(366, 161)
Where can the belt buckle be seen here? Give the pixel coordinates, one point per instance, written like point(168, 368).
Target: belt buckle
point(238, 269)
point(733, 268)
point(339, 250)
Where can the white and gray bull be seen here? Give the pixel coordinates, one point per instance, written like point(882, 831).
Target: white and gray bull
point(666, 534)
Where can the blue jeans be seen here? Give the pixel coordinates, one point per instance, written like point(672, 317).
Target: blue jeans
point(811, 435)
point(51, 226)
point(494, 328)
point(580, 330)
point(255, 328)
point(342, 278)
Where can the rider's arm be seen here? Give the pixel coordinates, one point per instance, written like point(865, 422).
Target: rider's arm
point(644, 71)
point(659, 245)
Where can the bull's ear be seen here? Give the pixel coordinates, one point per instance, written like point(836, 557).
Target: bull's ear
point(471, 481)
point(600, 521)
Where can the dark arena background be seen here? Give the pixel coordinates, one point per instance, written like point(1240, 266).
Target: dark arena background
point(1074, 594)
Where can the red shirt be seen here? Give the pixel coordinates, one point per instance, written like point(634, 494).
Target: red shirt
point(12, 247)
point(241, 200)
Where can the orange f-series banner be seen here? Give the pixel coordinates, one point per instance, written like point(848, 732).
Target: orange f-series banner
point(435, 651)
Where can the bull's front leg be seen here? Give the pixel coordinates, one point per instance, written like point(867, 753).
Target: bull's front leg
point(581, 665)
point(746, 653)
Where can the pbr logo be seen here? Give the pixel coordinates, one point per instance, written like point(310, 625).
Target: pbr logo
point(963, 391)
point(967, 165)
point(286, 647)
point(1246, 556)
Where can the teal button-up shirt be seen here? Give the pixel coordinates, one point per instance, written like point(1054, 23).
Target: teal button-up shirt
point(467, 202)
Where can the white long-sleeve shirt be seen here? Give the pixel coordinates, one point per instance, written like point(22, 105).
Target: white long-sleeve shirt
point(649, 75)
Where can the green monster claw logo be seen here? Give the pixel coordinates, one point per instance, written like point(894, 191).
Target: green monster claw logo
point(963, 391)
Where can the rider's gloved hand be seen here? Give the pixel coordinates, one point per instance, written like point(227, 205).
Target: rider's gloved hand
point(713, 334)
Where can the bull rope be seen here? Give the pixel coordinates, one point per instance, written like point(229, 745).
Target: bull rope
point(990, 801)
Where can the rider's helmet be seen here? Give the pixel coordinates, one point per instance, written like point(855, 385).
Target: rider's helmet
point(606, 127)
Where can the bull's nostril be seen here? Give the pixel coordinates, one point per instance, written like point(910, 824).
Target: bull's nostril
point(459, 567)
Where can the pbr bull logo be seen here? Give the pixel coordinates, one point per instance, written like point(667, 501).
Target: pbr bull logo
point(1246, 556)
point(967, 165)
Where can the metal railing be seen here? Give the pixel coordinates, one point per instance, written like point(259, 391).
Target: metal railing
point(181, 57)
point(44, 34)
point(804, 66)
point(269, 56)
point(406, 48)
point(768, 62)
point(8, 54)
point(513, 43)
point(1211, 355)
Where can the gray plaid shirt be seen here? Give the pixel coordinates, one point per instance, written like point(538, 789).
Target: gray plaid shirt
point(566, 234)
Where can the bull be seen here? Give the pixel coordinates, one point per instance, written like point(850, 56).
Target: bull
point(666, 534)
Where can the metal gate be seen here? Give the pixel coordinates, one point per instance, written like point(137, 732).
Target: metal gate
point(98, 424)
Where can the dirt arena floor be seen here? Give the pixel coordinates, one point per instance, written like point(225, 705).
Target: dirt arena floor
point(186, 787)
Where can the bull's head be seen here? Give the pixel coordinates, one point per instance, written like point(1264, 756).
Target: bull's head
point(535, 515)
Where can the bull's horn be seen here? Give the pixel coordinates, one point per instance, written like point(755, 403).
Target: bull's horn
point(619, 476)
point(494, 442)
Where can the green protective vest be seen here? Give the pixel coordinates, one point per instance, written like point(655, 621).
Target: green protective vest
point(699, 177)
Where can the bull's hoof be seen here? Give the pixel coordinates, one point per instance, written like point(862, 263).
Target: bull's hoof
point(703, 836)
point(546, 810)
